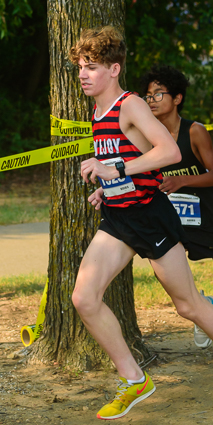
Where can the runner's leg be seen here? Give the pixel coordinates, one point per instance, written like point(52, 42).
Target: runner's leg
point(105, 257)
point(175, 276)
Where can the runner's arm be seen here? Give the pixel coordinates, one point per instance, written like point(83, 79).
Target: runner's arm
point(135, 113)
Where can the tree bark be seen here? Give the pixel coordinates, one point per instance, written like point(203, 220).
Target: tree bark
point(73, 222)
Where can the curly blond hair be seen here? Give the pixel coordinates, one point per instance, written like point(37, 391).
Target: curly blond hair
point(103, 45)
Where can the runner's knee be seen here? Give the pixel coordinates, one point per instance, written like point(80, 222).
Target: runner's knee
point(85, 298)
point(85, 305)
point(186, 310)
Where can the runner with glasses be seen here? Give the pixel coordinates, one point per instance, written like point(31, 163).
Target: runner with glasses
point(189, 184)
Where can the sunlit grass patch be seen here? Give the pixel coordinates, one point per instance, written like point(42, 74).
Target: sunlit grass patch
point(149, 292)
point(203, 275)
point(22, 285)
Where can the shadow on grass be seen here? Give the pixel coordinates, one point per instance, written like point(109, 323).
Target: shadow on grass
point(22, 285)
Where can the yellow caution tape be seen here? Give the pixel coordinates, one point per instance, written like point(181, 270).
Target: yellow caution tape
point(209, 127)
point(60, 127)
point(27, 335)
point(31, 333)
point(48, 154)
point(41, 313)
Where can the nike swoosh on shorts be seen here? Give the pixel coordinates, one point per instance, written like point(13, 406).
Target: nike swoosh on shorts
point(159, 243)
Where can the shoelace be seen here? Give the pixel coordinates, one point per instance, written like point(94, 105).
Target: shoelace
point(122, 388)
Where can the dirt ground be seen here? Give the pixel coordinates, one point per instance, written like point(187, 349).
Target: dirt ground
point(49, 395)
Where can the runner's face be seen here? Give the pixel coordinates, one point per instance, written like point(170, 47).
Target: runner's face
point(94, 77)
point(166, 105)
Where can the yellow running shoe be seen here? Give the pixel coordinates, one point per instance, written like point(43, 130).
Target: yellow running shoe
point(126, 397)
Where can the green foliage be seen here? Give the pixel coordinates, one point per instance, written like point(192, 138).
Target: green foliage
point(176, 33)
point(12, 13)
point(24, 108)
point(24, 125)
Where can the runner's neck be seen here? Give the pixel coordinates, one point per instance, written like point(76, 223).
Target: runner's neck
point(104, 102)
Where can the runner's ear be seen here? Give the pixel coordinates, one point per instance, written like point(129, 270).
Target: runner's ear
point(115, 69)
point(178, 99)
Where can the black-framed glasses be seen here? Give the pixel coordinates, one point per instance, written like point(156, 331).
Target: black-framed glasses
point(157, 97)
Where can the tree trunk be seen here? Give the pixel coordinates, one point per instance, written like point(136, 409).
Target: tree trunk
point(73, 222)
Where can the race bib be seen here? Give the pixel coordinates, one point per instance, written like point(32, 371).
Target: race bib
point(117, 186)
point(187, 207)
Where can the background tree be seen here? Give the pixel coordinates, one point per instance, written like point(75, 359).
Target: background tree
point(72, 221)
point(177, 33)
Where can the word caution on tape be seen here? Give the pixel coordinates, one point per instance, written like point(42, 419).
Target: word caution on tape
point(48, 154)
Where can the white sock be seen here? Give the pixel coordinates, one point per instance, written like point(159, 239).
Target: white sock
point(140, 381)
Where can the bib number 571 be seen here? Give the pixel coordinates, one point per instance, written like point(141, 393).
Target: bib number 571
point(182, 208)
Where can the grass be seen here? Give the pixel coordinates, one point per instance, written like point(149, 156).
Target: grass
point(25, 195)
point(23, 285)
point(23, 212)
point(149, 292)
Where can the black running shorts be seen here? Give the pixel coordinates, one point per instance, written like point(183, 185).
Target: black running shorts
point(150, 229)
point(198, 252)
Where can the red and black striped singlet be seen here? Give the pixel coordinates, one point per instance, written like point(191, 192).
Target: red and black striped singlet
point(110, 142)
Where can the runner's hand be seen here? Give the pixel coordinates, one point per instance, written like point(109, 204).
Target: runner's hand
point(171, 184)
point(95, 167)
point(96, 198)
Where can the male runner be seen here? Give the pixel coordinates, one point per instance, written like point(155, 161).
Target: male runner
point(136, 216)
point(192, 178)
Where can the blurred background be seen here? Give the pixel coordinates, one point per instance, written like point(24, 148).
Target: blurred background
point(177, 33)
